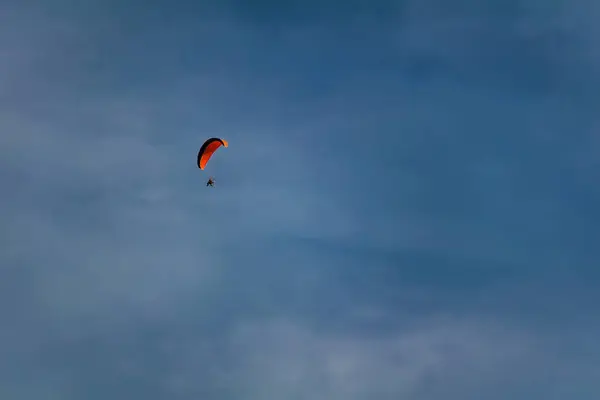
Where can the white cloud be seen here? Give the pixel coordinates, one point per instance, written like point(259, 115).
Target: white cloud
point(282, 359)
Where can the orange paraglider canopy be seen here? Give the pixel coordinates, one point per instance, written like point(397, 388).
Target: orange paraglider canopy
point(208, 149)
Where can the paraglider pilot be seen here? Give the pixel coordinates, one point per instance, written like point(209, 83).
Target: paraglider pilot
point(205, 153)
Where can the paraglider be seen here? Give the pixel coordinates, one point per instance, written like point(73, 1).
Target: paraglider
point(206, 152)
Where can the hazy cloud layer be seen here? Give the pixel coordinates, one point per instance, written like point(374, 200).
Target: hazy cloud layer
point(408, 208)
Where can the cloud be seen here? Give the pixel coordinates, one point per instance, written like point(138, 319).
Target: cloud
point(383, 170)
point(283, 359)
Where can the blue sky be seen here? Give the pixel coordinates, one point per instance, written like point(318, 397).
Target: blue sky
point(408, 208)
